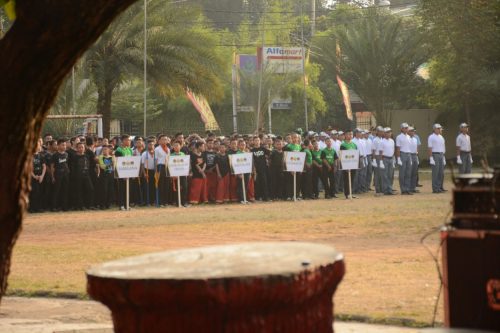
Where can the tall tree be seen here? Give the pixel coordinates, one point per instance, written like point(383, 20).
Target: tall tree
point(180, 54)
point(379, 55)
point(37, 53)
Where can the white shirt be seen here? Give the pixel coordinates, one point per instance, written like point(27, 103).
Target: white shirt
point(403, 142)
point(436, 143)
point(321, 144)
point(368, 146)
point(376, 145)
point(148, 160)
point(387, 147)
point(463, 142)
point(413, 145)
point(336, 145)
point(161, 155)
point(361, 147)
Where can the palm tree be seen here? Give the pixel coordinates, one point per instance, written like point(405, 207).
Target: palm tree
point(379, 56)
point(180, 54)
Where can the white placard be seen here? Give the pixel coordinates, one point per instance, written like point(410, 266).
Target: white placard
point(349, 159)
point(294, 161)
point(178, 165)
point(241, 163)
point(128, 166)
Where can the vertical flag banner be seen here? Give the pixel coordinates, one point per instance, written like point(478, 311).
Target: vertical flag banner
point(201, 105)
point(343, 87)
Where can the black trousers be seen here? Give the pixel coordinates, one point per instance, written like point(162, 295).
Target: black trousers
point(277, 184)
point(60, 192)
point(261, 185)
point(289, 183)
point(329, 181)
point(36, 196)
point(184, 190)
point(149, 189)
point(136, 194)
point(84, 192)
point(345, 175)
point(106, 186)
point(240, 186)
point(307, 182)
point(162, 190)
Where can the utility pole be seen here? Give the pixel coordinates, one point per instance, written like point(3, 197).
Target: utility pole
point(304, 65)
point(145, 66)
point(261, 68)
point(313, 17)
point(73, 90)
point(233, 83)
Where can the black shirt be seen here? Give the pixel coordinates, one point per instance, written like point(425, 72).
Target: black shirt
point(60, 162)
point(260, 157)
point(71, 154)
point(92, 163)
point(81, 165)
point(223, 162)
point(209, 157)
point(276, 160)
point(38, 162)
point(197, 160)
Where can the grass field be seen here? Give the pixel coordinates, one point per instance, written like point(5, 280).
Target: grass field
point(389, 273)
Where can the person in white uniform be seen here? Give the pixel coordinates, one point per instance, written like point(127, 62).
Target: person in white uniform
point(437, 160)
point(464, 151)
point(403, 156)
point(414, 160)
point(386, 153)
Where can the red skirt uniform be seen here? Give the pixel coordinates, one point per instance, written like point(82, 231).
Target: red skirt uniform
point(222, 194)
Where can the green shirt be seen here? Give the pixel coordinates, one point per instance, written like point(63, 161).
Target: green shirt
point(309, 159)
point(293, 147)
point(123, 151)
point(316, 155)
point(348, 146)
point(329, 154)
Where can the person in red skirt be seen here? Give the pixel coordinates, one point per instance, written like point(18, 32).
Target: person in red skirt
point(223, 173)
point(197, 190)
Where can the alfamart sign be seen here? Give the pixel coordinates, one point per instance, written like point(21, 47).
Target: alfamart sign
point(283, 59)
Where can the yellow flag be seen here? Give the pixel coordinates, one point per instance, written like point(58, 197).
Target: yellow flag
point(10, 9)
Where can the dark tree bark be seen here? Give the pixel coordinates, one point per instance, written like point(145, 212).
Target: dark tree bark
point(36, 54)
point(104, 97)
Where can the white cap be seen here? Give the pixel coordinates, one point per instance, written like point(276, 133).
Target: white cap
point(340, 133)
point(380, 128)
point(463, 125)
point(404, 125)
point(387, 130)
point(323, 134)
point(334, 132)
point(436, 126)
point(411, 128)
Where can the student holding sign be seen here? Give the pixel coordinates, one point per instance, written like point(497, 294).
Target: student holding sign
point(161, 153)
point(329, 158)
point(294, 146)
point(123, 151)
point(347, 144)
point(223, 173)
point(179, 181)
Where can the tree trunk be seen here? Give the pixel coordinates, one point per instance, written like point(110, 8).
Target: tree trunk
point(104, 107)
point(36, 54)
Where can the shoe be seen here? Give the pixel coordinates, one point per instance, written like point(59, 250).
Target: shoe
point(436, 192)
point(122, 208)
point(420, 185)
point(355, 197)
point(186, 205)
point(443, 190)
point(334, 196)
point(390, 193)
point(415, 191)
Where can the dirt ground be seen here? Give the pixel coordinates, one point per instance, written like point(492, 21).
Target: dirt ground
point(389, 273)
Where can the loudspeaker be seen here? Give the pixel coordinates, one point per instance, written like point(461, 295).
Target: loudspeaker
point(471, 273)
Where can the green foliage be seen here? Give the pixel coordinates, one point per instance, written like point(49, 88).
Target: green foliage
point(465, 68)
point(380, 54)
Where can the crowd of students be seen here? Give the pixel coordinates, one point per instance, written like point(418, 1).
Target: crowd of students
point(79, 173)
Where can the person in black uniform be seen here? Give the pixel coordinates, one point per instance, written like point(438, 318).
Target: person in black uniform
point(276, 161)
point(37, 176)
point(260, 155)
point(83, 184)
point(59, 171)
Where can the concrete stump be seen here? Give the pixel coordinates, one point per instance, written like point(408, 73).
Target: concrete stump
point(243, 288)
